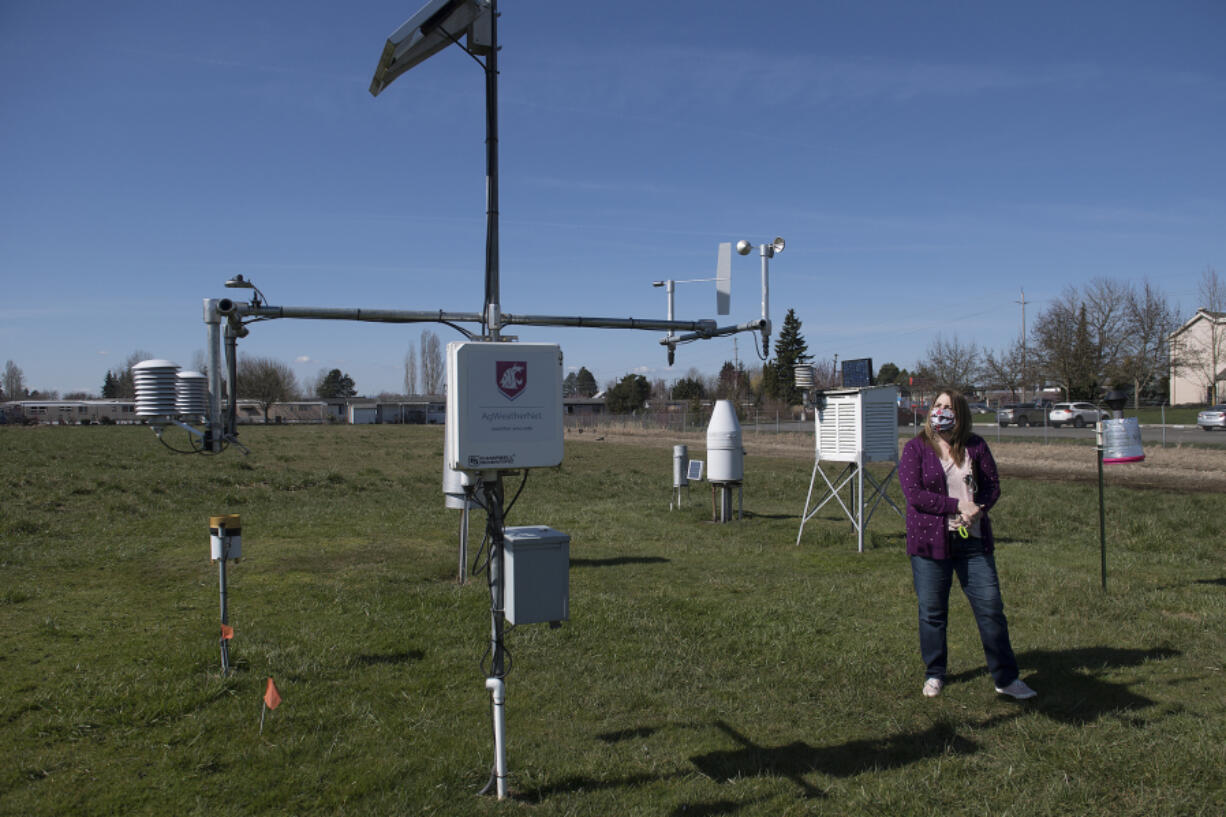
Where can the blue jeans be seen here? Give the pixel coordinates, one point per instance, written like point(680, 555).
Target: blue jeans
point(976, 573)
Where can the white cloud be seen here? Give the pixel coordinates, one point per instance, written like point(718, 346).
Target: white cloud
point(302, 359)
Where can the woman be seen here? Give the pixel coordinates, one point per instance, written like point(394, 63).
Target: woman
point(949, 479)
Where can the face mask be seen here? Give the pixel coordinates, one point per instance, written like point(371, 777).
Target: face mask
point(942, 419)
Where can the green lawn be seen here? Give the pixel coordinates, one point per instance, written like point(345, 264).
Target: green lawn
point(706, 669)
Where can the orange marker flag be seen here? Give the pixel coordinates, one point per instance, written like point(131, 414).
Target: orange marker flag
point(272, 698)
point(227, 632)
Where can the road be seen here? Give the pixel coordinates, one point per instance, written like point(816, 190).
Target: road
point(1150, 434)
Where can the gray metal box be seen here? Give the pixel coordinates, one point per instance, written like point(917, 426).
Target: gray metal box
point(538, 575)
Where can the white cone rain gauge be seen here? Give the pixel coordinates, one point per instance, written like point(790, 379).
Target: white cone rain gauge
point(725, 459)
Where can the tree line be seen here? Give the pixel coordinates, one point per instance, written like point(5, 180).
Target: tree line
point(1103, 335)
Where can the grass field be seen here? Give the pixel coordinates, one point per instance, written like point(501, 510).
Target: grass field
point(706, 669)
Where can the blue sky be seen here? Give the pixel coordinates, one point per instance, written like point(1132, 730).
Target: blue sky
point(924, 161)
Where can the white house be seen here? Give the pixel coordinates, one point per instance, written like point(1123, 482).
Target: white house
point(1198, 359)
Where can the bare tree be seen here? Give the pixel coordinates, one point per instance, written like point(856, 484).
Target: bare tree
point(951, 362)
point(267, 381)
point(1009, 368)
point(825, 373)
point(14, 381)
point(1212, 294)
point(1054, 332)
point(433, 369)
point(1061, 341)
point(1082, 338)
point(410, 370)
point(1106, 302)
point(200, 362)
point(1145, 356)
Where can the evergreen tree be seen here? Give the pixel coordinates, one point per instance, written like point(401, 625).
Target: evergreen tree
point(1084, 384)
point(887, 374)
point(568, 385)
point(733, 382)
point(335, 384)
point(585, 383)
point(629, 395)
point(689, 388)
point(790, 349)
point(110, 388)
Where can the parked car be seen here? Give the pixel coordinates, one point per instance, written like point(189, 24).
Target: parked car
point(1021, 414)
point(1212, 417)
point(979, 408)
point(1079, 415)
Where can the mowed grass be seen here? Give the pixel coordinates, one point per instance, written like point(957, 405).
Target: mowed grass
point(706, 669)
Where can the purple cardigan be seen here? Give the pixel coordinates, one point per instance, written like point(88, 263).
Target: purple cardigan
point(928, 502)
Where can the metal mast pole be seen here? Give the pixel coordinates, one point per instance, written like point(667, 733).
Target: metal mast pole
point(492, 308)
point(767, 250)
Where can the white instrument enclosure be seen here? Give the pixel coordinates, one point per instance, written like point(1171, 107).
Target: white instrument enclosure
point(504, 406)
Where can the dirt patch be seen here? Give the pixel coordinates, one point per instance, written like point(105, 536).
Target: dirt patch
point(1172, 469)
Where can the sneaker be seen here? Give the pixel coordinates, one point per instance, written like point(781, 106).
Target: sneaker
point(1017, 689)
point(932, 687)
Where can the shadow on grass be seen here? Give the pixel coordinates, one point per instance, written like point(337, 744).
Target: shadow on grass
point(569, 785)
point(402, 657)
point(793, 761)
point(1218, 582)
point(711, 809)
point(1069, 692)
point(1069, 689)
point(620, 560)
point(797, 759)
point(627, 734)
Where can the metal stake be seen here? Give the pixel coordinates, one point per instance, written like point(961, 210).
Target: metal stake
point(221, 572)
point(1102, 513)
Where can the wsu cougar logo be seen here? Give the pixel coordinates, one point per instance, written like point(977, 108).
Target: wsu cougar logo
point(512, 377)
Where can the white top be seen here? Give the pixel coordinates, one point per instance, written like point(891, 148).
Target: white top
point(960, 482)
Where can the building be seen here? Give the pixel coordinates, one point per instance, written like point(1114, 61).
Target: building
point(71, 412)
point(1198, 359)
point(297, 411)
point(583, 406)
point(424, 409)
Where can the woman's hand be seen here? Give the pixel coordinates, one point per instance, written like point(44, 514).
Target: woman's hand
point(969, 510)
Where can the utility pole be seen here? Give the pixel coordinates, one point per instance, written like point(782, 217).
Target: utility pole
point(1024, 372)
